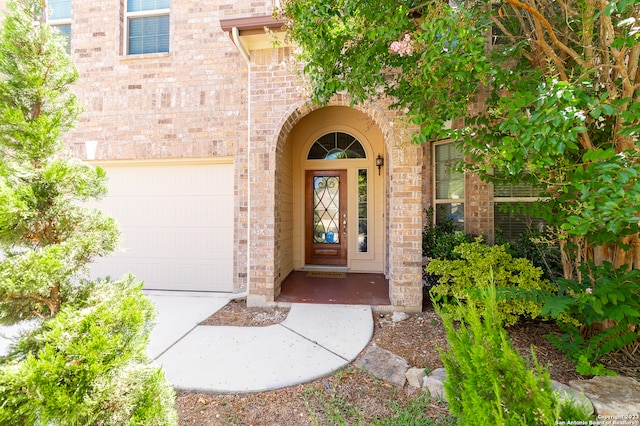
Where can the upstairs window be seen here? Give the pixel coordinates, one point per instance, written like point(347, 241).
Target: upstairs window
point(59, 17)
point(147, 26)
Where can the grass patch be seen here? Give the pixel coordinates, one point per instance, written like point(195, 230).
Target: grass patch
point(414, 414)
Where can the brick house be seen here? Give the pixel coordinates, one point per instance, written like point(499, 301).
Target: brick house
point(225, 178)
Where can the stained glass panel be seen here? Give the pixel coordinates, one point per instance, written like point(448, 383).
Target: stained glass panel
point(326, 209)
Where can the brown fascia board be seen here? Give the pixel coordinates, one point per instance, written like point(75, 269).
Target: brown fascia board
point(251, 23)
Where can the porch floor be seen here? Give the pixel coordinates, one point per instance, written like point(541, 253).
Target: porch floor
point(332, 288)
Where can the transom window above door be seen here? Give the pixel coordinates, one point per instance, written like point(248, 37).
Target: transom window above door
point(335, 146)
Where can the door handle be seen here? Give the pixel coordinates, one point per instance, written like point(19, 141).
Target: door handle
point(344, 224)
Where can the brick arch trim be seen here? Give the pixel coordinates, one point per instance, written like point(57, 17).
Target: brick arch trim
point(300, 110)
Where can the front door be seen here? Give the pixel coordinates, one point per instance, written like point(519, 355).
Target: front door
point(326, 217)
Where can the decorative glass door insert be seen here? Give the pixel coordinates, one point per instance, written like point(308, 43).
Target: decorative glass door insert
point(326, 209)
point(326, 223)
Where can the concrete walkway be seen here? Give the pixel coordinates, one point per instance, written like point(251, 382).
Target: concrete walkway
point(178, 314)
point(312, 342)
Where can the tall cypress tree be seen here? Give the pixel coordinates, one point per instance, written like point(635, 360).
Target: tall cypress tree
point(46, 235)
point(86, 362)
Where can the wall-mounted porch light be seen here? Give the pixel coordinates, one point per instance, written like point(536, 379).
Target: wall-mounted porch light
point(379, 163)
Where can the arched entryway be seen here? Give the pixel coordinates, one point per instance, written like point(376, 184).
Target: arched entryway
point(276, 204)
point(332, 195)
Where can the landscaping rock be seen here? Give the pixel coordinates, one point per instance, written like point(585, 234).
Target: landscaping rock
point(384, 365)
point(611, 396)
point(578, 399)
point(415, 376)
point(399, 316)
point(434, 384)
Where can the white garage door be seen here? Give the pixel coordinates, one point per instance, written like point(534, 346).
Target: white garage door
point(176, 223)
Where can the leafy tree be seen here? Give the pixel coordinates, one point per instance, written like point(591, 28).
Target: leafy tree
point(46, 236)
point(559, 85)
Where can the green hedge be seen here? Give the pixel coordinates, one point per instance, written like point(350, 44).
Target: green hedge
point(479, 265)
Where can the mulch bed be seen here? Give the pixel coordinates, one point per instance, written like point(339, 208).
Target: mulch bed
point(360, 397)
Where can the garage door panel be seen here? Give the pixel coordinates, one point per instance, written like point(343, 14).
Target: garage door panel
point(182, 276)
point(169, 243)
point(177, 225)
point(182, 181)
point(172, 211)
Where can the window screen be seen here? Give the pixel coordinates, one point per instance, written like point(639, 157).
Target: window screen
point(59, 17)
point(59, 9)
point(146, 5)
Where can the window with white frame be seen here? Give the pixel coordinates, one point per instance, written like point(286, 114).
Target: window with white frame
point(59, 17)
point(147, 26)
point(510, 222)
point(448, 184)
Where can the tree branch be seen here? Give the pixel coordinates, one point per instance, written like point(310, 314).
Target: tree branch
point(541, 19)
point(511, 36)
point(33, 298)
point(619, 56)
point(585, 141)
point(549, 52)
point(418, 7)
point(634, 59)
point(587, 33)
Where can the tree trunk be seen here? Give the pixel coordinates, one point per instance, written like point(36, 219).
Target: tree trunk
point(581, 252)
point(55, 300)
point(634, 253)
point(618, 255)
point(613, 253)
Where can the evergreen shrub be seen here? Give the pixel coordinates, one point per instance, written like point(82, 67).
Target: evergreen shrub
point(438, 242)
point(88, 365)
point(540, 248)
point(85, 363)
point(488, 382)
